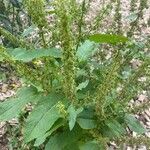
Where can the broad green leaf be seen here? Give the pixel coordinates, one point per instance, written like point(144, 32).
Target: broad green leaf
point(42, 139)
point(86, 123)
point(134, 124)
point(43, 117)
point(11, 108)
point(82, 85)
point(115, 127)
point(108, 38)
point(28, 55)
point(70, 147)
point(86, 50)
point(91, 145)
point(61, 140)
point(73, 115)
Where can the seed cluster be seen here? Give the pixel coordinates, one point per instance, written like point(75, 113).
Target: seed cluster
point(67, 44)
point(36, 11)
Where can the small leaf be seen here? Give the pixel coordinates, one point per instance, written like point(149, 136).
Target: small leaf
point(86, 50)
point(86, 123)
point(73, 115)
point(134, 124)
point(70, 147)
point(108, 38)
point(11, 108)
point(82, 85)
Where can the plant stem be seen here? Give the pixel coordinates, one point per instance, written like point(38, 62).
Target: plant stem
point(42, 37)
point(80, 25)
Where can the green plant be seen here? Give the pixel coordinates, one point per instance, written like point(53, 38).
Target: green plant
point(75, 99)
